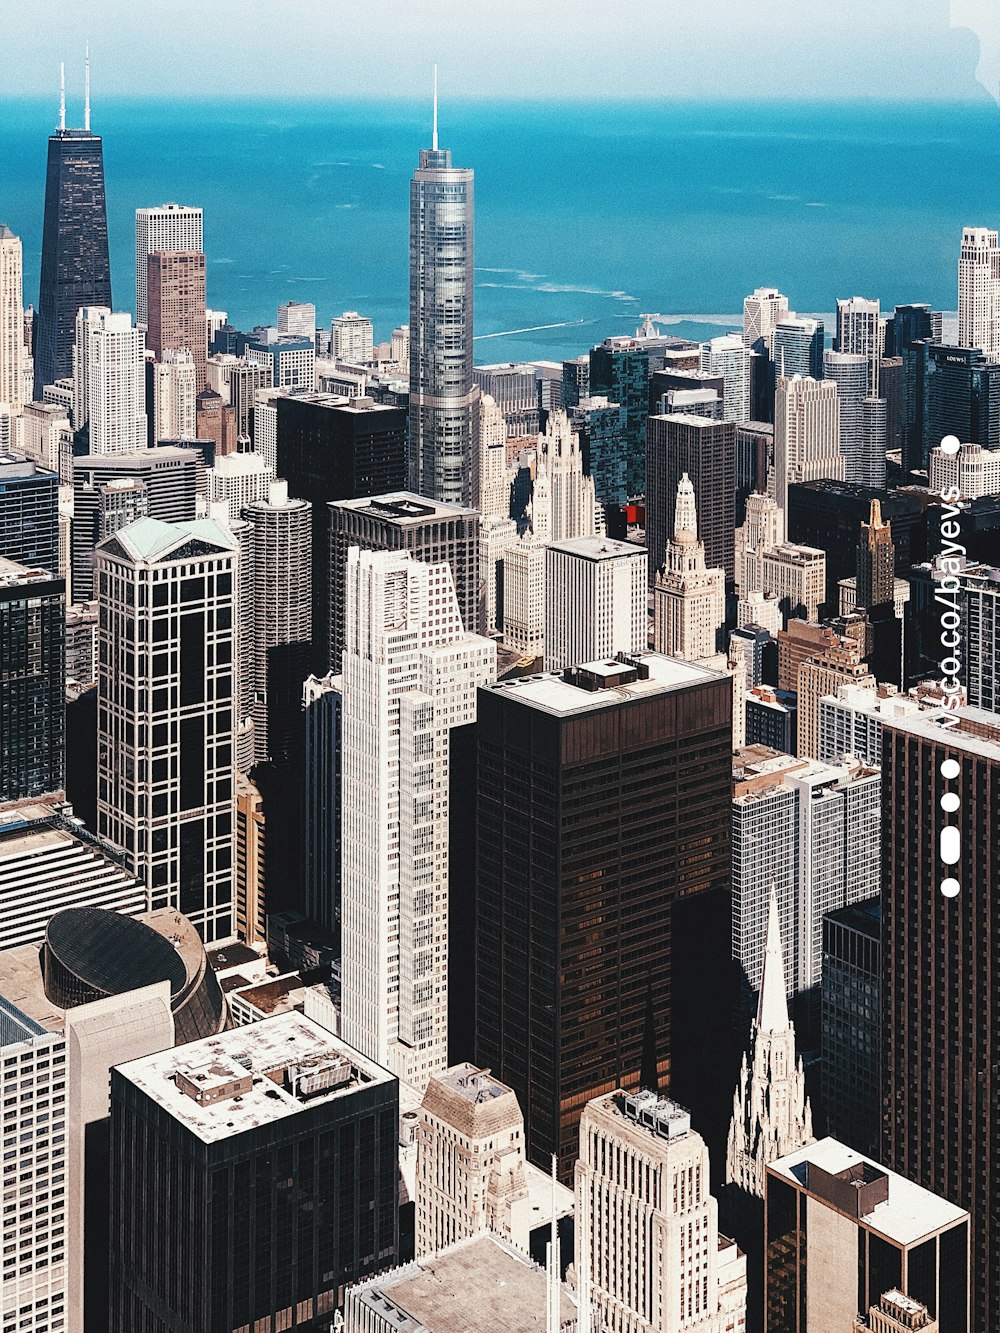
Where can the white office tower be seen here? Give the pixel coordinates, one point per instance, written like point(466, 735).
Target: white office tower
point(8, 430)
point(729, 357)
point(861, 332)
point(811, 832)
point(175, 392)
point(573, 506)
point(851, 374)
point(11, 321)
point(165, 766)
point(214, 320)
point(352, 337)
point(975, 471)
point(410, 674)
point(46, 437)
point(238, 480)
point(874, 442)
point(763, 529)
point(471, 1169)
point(297, 318)
point(850, 721)
point(979, 291)
point(524, 596)
point(761, 311)
point(795, 576)
point(771, 1113)
point(689, 600)
point(169, 227)
point(491, 480)
point(806, 434)
point(277, 547)
point(109, 381)
point(596, 592)
point(648, 1249)
point(981, 589)
point(753, 608)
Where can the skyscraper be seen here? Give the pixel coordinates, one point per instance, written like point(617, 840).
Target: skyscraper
point(166, 762)
point(174, 397)
point(798, 347)
point(941, 1105)
point(603, 443)
point(729, 357)
point(806, 434)
point(761, 311)
point(410, 676)
point(109, 381)
point(351, 336)
point(513, 387)
point(32, 678)
point(581, 782)
point(619, 371)
point(75, 268)
point(689, 600)
point(11, 320)
point(876, 561)
point(168, 227)
point(852, 375)
point(706, 451)
point(175, 301)
point(860, 333)
point(979, 292)
point(298, 318)
point(851, 1024)
point(595, 601)
point(443, 394)
point(29, 513)
point(648, 1246)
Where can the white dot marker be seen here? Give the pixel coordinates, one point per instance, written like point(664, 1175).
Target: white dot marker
point(950, 887)
point(951, 844)
point(950, 768)
point(950, 444)
point(950, 801)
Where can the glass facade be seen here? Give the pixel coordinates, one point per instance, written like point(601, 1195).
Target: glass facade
point(621, 374)
point(32, 689)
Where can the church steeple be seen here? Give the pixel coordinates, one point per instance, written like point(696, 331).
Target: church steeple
point(772, 1004)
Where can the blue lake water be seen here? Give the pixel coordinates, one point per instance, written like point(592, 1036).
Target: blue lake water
point(587, 216)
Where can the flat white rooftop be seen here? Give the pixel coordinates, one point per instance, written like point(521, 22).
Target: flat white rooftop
point(552, 694)
point(908, 1215)
point(276, 1068)
point(599, 548)
point(928, 724)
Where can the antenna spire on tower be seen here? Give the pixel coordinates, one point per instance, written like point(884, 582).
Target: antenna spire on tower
point(86, 88)
point(434, 139)
point(62, 95)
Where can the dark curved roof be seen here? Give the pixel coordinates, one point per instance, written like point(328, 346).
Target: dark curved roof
point(103, 952)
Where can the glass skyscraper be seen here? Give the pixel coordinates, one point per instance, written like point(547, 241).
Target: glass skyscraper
point(76, 270)
point(443, 396)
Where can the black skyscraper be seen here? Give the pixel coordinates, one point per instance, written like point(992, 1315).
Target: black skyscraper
point(29, 513)
point(706, 451)
point(947, 391)
point(75, 266)
point(32, 676)
point(602, 890)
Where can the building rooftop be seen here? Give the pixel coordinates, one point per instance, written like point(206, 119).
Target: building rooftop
point(235, 1082)
point(342, 403)
point(150, 539)
point(599, 548)
point(906, 1215)
point(603, 684)
point(14, 575)
point(403, 508)
point(977, 732)
point(473, 1101)
point(864, 917)
point(471, 1287)
point(692, 419)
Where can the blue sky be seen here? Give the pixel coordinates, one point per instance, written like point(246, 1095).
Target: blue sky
point(507, 48)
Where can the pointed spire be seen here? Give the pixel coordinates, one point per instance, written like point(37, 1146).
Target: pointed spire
point(772, 1007)
point(86, 89)
point(434, 139)
point(62, 95)
point(685, 510)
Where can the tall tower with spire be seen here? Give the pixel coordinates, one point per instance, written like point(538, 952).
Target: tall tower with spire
point(689, 600)
point(76, 270)
point(444, 400)
point(875, 561)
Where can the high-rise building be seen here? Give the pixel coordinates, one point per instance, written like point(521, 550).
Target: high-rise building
point(979, 292)
point(603, 443)
point(874, 442)
point(798, 347)
point(795, 576)
point(166, 731)
point(75, 270)
point(170, 477)
point(575, 381)
point(471, 1175)
point(277, 551)
point(290, 359)
point(841, 1231)
point(875, 584)
point(401, 521)
point(689, 600)
point(490, 474)
point(523, 565)
point(896, 1313)
point(238, 480)
point(648, 1247)
point(110, 382)
point(850, 721)
point(940, 1100)
point(619, 372)
point(443, 393)
point(763, 529)
point(729, 357)
point(174, 396)
point(567, 492)
point(29, 513)
point(175, 302)
point(982, 637)
point(761, 311)
point(297, 318)
point(860, 332)
point(330, 449)
point(11, 321)
point(606, 746)
point(852, 375)
point(948, 391)
point(285, 1141)
point(321, 821)
point(410, 676)
point(706, 451)
point(596, 591)
point(351, 336)
point(32, 682)
point(973, 471)
point(820, 675)
point(215, 421)
point(851, 1024)
point(806, 434)
point(909, 324)
point(513, 387)
point(249, 881)
point(172, 227)
point(47, 438)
